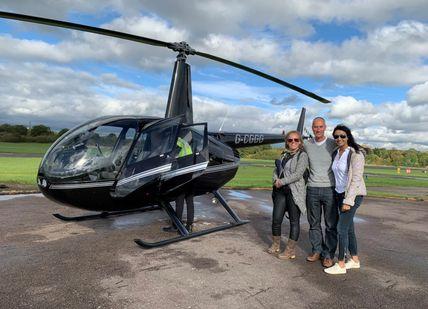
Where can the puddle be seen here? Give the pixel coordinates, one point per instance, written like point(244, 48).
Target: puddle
point(11, 197)
point(359, 220)
point(137, 220)
point(266, 207)
point(240, 195)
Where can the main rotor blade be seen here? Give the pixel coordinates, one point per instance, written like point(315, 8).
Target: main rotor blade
point(64, 24)
point(259, 73)
point(180, 47)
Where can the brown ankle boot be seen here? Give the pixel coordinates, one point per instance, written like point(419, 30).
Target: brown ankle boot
point(275, 248)
point(289, 252)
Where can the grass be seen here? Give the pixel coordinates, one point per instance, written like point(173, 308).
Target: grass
point(258, 174)
point(392, 171)
point(382, 194)
point(391, 181)
point(251, 174)
point(19, 170)
point(34, 148)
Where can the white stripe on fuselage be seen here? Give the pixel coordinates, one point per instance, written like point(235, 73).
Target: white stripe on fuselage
point(82, 185)
point(185, 170)
point(153, 171)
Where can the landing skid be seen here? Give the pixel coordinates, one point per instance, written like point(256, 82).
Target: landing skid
point(105, 214)
point(182, 229)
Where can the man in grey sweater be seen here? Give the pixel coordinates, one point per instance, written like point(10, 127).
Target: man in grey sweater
point(320, 195)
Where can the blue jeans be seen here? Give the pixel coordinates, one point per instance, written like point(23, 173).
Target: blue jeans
point(318, 200)
point(345, 227)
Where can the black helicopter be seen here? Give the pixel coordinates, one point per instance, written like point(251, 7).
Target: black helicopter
point(121, 164)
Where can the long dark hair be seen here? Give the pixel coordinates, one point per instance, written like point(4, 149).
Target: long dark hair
point(351, 140)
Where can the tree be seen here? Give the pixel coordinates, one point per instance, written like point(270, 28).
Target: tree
point(62, 132)
point(40, 130)
point(7, 128)
point(20, 130)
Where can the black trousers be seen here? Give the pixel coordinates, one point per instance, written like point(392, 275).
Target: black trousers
point(179, 206)
point(282, 202)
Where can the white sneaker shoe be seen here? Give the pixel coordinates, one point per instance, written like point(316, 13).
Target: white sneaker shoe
point(335, 270)
point(352, 264)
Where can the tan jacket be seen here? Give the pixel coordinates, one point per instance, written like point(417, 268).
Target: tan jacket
point(356, 185)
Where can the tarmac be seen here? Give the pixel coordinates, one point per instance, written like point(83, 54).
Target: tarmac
point(48, 263)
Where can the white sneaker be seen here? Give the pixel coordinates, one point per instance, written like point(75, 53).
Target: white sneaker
point(352, 264)
point(335, 270)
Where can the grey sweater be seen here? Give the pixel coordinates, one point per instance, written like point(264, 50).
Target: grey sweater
point(294, 178)
point(320, 158)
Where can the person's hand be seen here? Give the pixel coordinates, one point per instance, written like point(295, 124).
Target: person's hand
point(346, 207)
point(278, 183)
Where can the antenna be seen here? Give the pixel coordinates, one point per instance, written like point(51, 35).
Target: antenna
point(224, 119)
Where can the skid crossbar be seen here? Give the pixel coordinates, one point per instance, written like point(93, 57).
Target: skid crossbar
point(184, 234)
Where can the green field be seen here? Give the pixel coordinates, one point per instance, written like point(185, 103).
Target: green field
point(19, 170)
point(30, 148)
point(381, 181)
point(260, 176)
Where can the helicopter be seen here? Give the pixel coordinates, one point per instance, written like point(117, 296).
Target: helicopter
point(122, 164)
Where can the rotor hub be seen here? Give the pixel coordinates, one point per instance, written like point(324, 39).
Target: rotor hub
point(182, 48)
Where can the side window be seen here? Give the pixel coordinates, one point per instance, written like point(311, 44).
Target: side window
point(198, 137)
point(153, 142)
point(190, 140)
point(184, 143)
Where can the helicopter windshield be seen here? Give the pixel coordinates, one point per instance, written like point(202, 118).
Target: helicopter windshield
point(91, 154)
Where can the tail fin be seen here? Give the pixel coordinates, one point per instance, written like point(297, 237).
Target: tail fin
point(301, 123)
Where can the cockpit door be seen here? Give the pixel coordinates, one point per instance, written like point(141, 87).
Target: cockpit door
point(189, 157)
point(151, 156)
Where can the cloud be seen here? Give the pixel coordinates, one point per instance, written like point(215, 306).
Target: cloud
point(276, 37)
point(233, 91)
point(148, 26)
point(346, 106)
point(418, 95)
point(64, 97)
point(392, 55)
point(291, 99)
point(387, 55)
point(400, 117)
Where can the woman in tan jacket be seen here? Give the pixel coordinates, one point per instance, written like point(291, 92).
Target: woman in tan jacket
point(348, 169)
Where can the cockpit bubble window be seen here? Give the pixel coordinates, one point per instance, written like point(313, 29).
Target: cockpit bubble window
point(90, 154)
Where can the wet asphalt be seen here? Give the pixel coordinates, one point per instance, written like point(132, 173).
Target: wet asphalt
point(48, 263)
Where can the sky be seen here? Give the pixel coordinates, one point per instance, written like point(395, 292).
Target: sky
point(370, 58)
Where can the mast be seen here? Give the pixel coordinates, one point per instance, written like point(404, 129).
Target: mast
point(180, 91)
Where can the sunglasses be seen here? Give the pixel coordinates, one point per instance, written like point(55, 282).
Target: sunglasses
point(290, 140)
point(341, 136)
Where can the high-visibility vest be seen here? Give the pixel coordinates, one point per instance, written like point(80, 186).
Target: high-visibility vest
point(185, 148)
